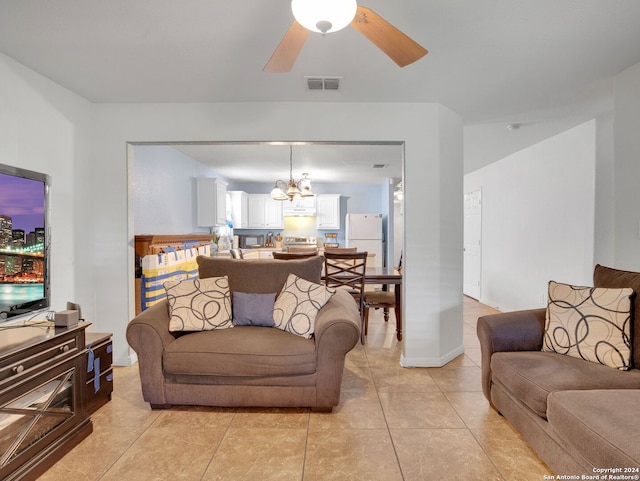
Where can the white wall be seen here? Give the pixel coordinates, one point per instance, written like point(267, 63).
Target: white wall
point(85, 149)
point(537, 219)
point(164, 193)
point(604, 248)
point(165, 190)
point(627, 169)
point(46, 128)
point(433, 169)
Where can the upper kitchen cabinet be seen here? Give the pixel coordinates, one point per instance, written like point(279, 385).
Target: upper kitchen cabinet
point(328, 211)
point(211, 202)
point(264, 212)
point(299, 206)
point(239, 207)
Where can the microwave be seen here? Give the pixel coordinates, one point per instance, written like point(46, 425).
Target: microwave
point(250, 241)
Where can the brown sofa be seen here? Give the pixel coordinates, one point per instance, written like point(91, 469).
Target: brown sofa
point(247, 365)
point(579, 416)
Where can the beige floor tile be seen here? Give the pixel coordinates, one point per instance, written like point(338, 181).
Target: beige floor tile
point(94, 455)
point(511, 454)
point(461, 361)
point(465, 378)
point(125, 413)
point(419, 410)
point(167, 454)
point(383, 356)
point(377, 325)
point(357, 410)
point(474, 409)
point(354, 455)
point(356, 376)
point(402, 379)
point(441, 427)
point(195, 417)
point(474, 355)
point(447, 454)
point(357, 356)
point(470, 340)
point(280, 418)
point(259, 454)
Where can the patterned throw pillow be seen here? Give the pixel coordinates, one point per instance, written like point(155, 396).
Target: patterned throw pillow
point(590, 323)
point(199, 304)
point(298, 304)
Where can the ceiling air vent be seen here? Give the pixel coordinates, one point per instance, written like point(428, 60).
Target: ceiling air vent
point(323, 83)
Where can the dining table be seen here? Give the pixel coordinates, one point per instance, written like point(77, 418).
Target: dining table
point(387, 276)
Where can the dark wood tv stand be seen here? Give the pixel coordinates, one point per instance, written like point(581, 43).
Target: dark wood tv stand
point(43, 413)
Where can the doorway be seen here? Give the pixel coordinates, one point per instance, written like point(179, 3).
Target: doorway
point(472, 282)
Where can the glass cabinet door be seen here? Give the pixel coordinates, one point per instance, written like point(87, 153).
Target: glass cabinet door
point(35, 413)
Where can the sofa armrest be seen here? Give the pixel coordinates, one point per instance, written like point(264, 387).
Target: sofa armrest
point(337, 331)
point(509, 331)
point(148, 335)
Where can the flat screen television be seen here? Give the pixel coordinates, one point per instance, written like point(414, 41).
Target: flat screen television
point(24, 242)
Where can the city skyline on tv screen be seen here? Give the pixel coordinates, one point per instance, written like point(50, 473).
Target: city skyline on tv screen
point(23, 258)
point(23, 201)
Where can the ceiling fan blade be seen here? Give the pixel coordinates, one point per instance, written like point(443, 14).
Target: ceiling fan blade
point(287, 51)
point(387, 38)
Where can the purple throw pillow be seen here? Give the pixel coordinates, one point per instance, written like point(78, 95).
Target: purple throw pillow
point(251, 309)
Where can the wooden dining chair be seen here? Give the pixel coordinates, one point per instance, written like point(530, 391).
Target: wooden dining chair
point(385, 300)
point(293, 255)
point(236, 253)
point(341, 250)
point(346, 271)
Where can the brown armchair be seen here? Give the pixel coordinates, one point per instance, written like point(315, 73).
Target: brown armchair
point(247, 365)
point(293, 255)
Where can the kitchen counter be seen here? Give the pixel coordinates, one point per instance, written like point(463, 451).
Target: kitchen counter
point(256, 253)
point(267, 253)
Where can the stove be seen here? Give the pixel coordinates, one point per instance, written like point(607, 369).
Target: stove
point(301, 241)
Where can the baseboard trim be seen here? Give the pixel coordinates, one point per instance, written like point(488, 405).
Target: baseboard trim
point(431, 361)
point(126, 361)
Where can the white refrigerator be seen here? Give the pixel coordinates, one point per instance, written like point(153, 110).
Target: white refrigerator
point(364, 231)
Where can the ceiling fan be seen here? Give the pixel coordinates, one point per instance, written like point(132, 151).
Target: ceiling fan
point(327, 16)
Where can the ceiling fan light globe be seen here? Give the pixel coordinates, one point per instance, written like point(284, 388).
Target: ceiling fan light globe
point(316, 15)
point(324, 26)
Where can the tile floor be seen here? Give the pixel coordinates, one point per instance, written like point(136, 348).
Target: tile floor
point(393, 423)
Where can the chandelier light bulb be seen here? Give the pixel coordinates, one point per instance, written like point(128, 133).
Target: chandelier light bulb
point(324, 16)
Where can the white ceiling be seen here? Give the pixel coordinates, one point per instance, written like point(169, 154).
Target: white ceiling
point(324, 162)
point(494, 62)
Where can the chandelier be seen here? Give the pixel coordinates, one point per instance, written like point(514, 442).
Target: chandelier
point(289, 190)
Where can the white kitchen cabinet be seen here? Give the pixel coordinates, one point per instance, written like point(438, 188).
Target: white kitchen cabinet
point(251, 253)
point(328, 211)
point(264, 212)
point(299, 206)
point(266, 254)
point(239, 208)
point(273, 213)
point(257, 253)
point(211, 200)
